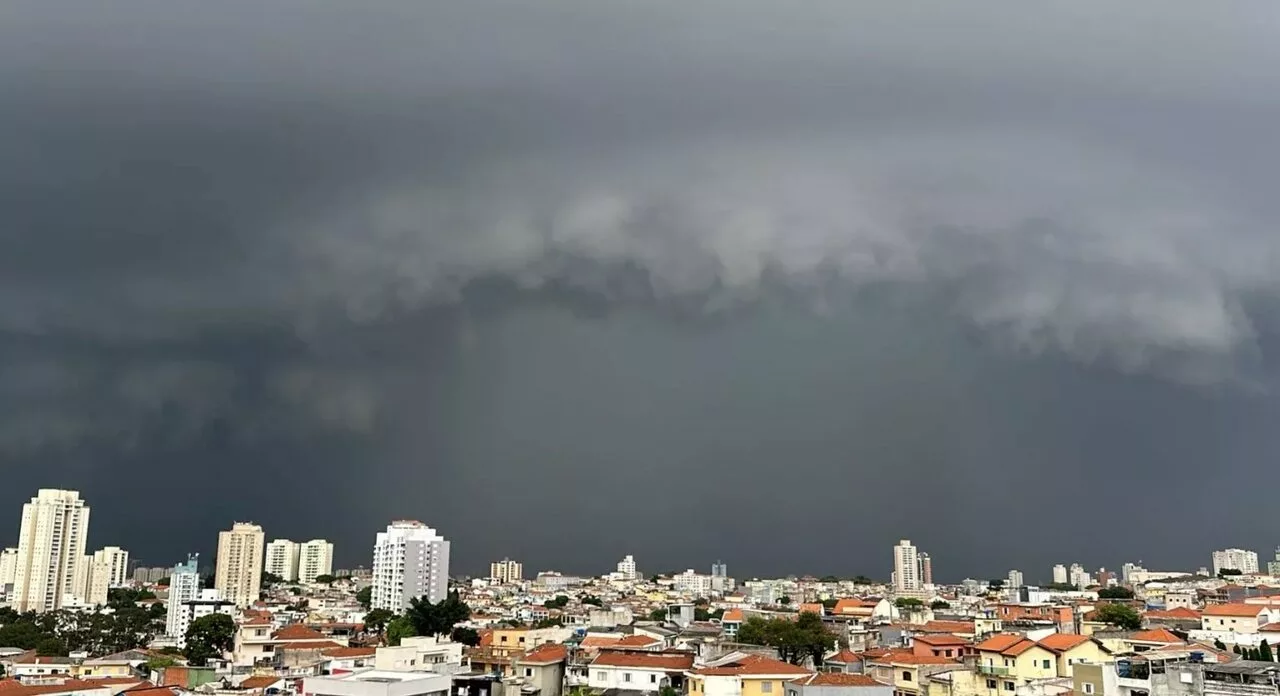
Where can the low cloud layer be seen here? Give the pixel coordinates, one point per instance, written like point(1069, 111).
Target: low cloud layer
point(259, 226)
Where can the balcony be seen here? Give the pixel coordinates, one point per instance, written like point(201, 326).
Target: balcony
point(994, 671)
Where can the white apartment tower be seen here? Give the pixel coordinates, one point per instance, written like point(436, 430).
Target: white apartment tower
point(627, 567)
point(505, 571)
point(184, 586)
point(1235, 559)
point(906, 568)
point(55, 525)
point(115, 560)
point(410, 560)
point(315, 558)
point(1015, 579)
point(238, 574)
point(1059, 574)
point(8, 569)
point(282, 559)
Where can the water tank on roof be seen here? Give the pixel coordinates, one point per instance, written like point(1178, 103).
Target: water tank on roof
point(1197, 656)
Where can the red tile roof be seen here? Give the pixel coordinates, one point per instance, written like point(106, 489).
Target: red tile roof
point(599, 641)
point(752, 665)
point(731, 615)
point(297, 632)
point(813, 608)
point(1061, 642)
point(259, 682)
point(852, 606)
point(1234, 609)
point(341, 653)
point(837, 679)
point(1156, 635)
point(637, 641)
point(948, 627)
point(1000, 642)
point(648, 660)
point(547, 653)
point(1179, 613)
point(12, 687)
point(912, 659)
point(940, 639)
point(844, 656)
point(309, 645)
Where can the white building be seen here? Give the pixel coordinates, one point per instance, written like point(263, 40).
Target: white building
point(8, 569)
point(693, 583)
point(378, 683)
point(906, 568)
point(1235, 559)
point(238, 574)
point(627, 568)
point(420, 653)
point(1059, 574)
point(1079, 577)
point(506, 571)
point(410, 560)
point(55, 525)
point(282, 559)
point(184, 586)
point(205, 602)
point(1015, 579)
point(315, 558)
point(116, 562)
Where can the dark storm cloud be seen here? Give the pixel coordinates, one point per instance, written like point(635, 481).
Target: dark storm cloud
point(331, 245)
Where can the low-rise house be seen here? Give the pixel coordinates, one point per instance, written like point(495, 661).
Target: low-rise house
point(1236, 618)
point(38, 666)
point(542, 670)
point(349, 659)
point(940, 645)
point(419, 654)
point(743, 675)
point(1072, 649)
point(1179, 618)
point(1013, 659)
point(908, 672)
point(376, 683)
point(837, 684)
point(638, 670)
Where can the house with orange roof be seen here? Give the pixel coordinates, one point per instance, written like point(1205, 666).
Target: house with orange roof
point(854, 607)
point(964, 629)
point(740, 674)
point(1182, 618)
point(731, 621)
point(1072, 649)
point(639, 670)
point(812, 608)
point(907, 671)
point(1236, 618)
point(542, 668)
point(940, 645)
point(838, 684)
point(1011, 659)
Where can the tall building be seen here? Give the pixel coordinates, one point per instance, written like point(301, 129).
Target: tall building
point(926, 570)
point(1273, 567)
point(906, 568)
point(1235, 559)
point(1128, 569)
point(693, 583)
point(116, 562)
point(505, 571)
point(282, 559)
point(410, 560)
point(55, 525)
point(184, 586)
point(315, 558)
point(238, 574)
point(8, 569)
point(719, 570)
point(627, 567)
point(1059, 574)
point(1015, 579)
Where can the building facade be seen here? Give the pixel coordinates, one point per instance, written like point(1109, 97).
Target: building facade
point(1235, 559)
point(184, 586)
point(410, 560)
point(51, 543)
point(282, 559)
point(505, 571)
point(238, 574)
point(115, 560)
point(627, 567)
point(315, 558)
point(906, 568)
point(1015, 579)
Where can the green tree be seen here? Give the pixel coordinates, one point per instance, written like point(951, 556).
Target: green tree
point(51, 646)
point(437, 619)
point(1229, 572)
point(399, 628)
point(592, 600)
point(784, 600)
point(1217, 643)
point(376, 620)
point(209, 637)
point(1264, 651)
point(1236, 649)
point(466, 636)
point(828, 579)
point(549, 622)
point(658, 615)
point(1119, 615)
point(325, 579)
point(1115, 593)
point(159, 662)
point(163, 582)
point(805, 637)
point(908, 603)
point(995, 584)
point(863, 580)
point(365, 597)
point(269, 579)
point(830, 602)
point(939, 604)
point(1060, 586)
point(560, 602)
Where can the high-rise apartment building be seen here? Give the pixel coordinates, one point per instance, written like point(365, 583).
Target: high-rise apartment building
point(1235, 559)
point(906, 568)
point(1015, 579)
point(926, 570)
point(116, 562)
point(1273, 567)
point(505, 571)
point(238, 574)
point(282, 559)
point(315, 558)
point(627, 568)
point(51, 542)
point(410, 560)
point(1059, 574)
point(8, 569)
point(184, 586)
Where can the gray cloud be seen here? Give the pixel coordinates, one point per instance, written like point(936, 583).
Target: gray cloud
point(243, 228)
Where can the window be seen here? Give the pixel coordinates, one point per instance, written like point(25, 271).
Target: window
point(602, 675)
point(948, 653)
point(766, 687)
point(1044, 664)
point(991, 684)
point(626, 676)
point(528, 671)
point(1008, 686)
point(906, 675)
point(1088, 688)
point(653, 679)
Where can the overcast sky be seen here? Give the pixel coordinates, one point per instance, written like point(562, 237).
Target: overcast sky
point(773, 283)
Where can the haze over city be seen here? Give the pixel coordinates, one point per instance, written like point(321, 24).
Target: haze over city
point(774, 284)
